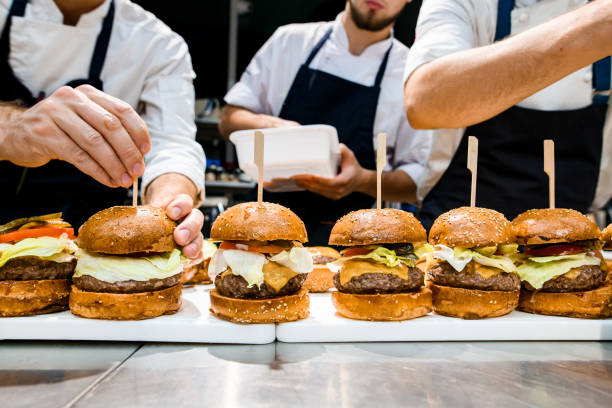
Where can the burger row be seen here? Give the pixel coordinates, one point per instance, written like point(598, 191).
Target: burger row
point(476, 264)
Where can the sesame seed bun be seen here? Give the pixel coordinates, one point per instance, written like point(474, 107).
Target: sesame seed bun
point(258, 222)
point(385, 226)
point(471, 227)
point(553, 225)
point(32, 297)
point(606, 237)
point(383, 306)
point(472, 303)
point(124, 230)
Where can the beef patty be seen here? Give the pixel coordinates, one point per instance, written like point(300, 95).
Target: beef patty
point(235, 286)
point(370, 283)
point(91, 284)
point(322, 260)
point(33, 268)
point(442, 273)
point(589, 277)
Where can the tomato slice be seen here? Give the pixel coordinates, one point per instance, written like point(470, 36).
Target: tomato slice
point(36, 233)
point(264, 249)
point(557, 250)
point(355, 251)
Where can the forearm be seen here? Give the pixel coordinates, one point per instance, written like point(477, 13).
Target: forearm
point(470, 86)
point(168, 186)
point(396, 185)
point(8, 114)
point(235, 118)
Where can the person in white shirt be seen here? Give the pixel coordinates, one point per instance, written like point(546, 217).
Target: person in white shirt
point(513, 73)
point(346, 73)
point(106, 88)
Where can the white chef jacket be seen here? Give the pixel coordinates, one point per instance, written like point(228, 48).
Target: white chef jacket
point(147, 65)
point(267, 80)
point(448, 26)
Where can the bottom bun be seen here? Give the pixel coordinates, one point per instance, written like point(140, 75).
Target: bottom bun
point(472, 303)
point(319, 280)
point(125, 306)
point(272, 310)
point(196, 274)
point(25, 298)
point(591, 304)
point(384, 306)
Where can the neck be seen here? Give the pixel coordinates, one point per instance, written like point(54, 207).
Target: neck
point(360, 39)
point(72, 10)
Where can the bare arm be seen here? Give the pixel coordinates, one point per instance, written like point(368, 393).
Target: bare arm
point(470, 86)
point(237, 118)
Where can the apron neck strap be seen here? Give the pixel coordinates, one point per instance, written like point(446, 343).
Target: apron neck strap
point(504, 19)
point(383, 67)
point(318, 47)
point(101, 47)
point(17, 9)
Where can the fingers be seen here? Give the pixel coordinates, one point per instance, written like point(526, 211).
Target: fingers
point(189, 234)
point(194, 249)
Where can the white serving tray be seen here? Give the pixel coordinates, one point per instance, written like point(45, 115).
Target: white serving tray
point(193, 323)
point(324, 325)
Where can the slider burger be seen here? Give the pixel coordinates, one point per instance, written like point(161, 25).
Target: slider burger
point(376, 277)
point(260, 266)
point(129, 267)
point(197, 274)
point(470, 270)
point(36, 263)
point(321, 279)
point(561, 265)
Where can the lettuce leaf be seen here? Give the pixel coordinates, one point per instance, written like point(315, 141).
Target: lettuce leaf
point(298, 259)
point(108, 268)
point(539, 270)
point(381, 255)
point(458, 258)
point(208, 249)
point(423, 250)
point(46, 248)
point(249, 265)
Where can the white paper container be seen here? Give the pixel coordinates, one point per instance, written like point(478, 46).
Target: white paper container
point(192, 324)
point(324, 325)
point(288, 151)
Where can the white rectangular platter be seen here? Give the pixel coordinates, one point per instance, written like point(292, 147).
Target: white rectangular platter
point(193, 323)
point(324, 325)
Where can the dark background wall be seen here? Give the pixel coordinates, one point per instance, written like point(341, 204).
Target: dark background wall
point(204, 24)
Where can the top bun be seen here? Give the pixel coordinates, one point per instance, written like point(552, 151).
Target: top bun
point(553, 225)
point(471, 227)
point(606, 237)
point(124, 230)
point(258, 222)
point(323, 252)
point(385, 226)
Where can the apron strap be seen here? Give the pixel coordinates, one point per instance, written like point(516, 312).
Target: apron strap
point(101, 47)
point(383, 67)
point(504, 19)
point(601, 81)
point(318, 47)
point(17, 9)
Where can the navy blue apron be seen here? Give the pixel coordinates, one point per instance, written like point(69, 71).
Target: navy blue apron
point(56, 186)
point(511, 178)
point(317, 97)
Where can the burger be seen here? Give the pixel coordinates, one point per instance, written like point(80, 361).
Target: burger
point(606, 238)
point(128, 267)
point(561, 266)
point(471, 273)
point(376, 278)
point(321, 279)
point(36, 263)
point(197, 274)
point(261, 265)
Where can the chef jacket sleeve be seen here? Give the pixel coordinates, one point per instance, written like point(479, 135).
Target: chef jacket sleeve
point(410, 152)
point(167, 107)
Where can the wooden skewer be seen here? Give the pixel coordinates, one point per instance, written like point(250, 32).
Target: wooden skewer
point(381, 162)
point(259, 162)
point(135, 192)
point(472, 165)
point(549, 169)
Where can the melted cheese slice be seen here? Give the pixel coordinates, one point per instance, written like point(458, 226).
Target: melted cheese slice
point(486, 271)
point(274, 275)
point(353, 268)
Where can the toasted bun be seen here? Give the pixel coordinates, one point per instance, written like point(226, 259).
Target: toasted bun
point(323, 251)
point(470, 227)
point(125, 306)
point(273, 310)
point(552, 225)
point(472, 303)
point(321, 279)
point(196, 274)
point(124, 230)
point(383, 307)
point(606, 237)
point(259, 222)
point(25, 298)
point(592, 304)
point(385, 226)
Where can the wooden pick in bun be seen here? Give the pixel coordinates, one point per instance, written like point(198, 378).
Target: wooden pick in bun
point(470, 274)
point(260, 266)
point(321, 279)
point(113, 280)
point(561, 265)
point(376, 277)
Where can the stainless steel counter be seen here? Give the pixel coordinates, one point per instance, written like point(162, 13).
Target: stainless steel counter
point(496, 374)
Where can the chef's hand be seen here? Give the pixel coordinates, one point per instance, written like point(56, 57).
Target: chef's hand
point(100, 135)
point(349, 179)
point(274, 122)
point(175, 193)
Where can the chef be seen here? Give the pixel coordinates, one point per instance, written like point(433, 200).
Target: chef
point(96, 84)
point(346, 73)
point(513, 74)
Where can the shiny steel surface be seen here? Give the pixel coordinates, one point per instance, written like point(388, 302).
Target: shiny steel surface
point(497, 374)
